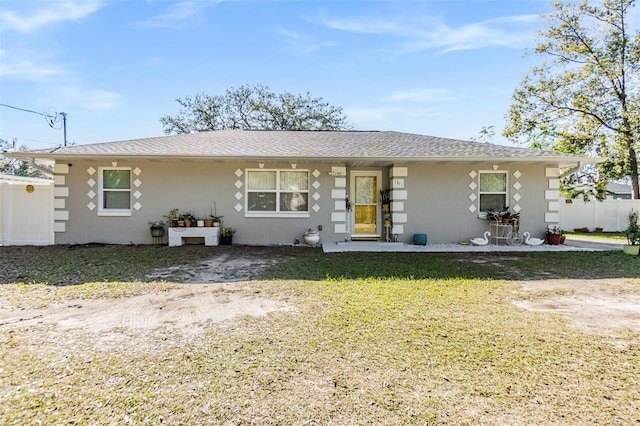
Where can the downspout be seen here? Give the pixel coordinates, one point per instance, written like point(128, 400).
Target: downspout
point(32, 163)
point(571, 171)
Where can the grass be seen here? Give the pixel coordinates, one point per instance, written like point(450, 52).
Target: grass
point(404, 338)
point(615, 236)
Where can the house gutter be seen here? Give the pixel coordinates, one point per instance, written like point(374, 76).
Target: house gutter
point(571, 171)
point(32, 163)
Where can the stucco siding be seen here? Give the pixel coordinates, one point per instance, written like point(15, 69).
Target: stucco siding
point(438, 201)
point(188, 186)
point(435, 200)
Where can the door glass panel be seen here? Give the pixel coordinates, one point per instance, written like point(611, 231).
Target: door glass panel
point(365, 221)
point(365, 209)
point(366, 190)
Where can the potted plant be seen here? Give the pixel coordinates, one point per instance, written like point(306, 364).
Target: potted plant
point(555, 236)
point(189, 219)
point(226, 235)
point(215, 219)
point(311, 237)
point(157, 228)
point(633, 234)
point(172, 217)
point(385, 198)
point(492, 215)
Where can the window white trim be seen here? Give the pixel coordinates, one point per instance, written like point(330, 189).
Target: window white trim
point(483, 213)
point(278, 191)
point(111, 212)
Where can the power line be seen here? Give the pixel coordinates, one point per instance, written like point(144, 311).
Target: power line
point(19, 139)
point(26, 110)
point(51, 119)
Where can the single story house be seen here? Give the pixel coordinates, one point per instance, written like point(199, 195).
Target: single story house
point(271, 186)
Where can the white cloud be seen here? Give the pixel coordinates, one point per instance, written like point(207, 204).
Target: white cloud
point(303, 44)
point(425, 95)
point(176, 15)
point(98, 100)
point(89, 99)
point(388, 118)
point(46, 14)
point(429, 33)
point(25, 69)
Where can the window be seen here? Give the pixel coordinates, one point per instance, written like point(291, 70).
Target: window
point(115, 191)
point(279, 192)
point(492, 191)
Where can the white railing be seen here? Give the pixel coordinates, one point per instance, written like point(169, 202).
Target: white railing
point(608, 214)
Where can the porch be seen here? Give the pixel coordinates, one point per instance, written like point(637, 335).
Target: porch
point(378, 246)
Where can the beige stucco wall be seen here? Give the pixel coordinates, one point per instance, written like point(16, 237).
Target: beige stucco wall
point(437, 201)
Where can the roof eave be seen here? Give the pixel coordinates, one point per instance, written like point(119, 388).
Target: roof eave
point(569, 161)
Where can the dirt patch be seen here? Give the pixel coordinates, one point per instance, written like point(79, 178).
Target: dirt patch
point(213, 290)
point(601, 306)
point(222, 268)
point(186, 307)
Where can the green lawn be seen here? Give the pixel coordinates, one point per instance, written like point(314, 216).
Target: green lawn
point(377, 338)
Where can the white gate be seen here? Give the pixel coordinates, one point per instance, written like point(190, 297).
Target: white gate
point(26, 211)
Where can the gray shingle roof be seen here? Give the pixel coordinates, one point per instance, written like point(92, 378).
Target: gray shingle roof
point(300, 145)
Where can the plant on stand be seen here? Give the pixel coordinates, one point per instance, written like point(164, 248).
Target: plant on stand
point(633, 234)
point(157, 228)
point(172, 217)
point(216, 220)
point(189, 219)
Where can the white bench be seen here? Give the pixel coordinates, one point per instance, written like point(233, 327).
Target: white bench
point(211, 235)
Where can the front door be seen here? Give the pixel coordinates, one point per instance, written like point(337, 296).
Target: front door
point(365, 187)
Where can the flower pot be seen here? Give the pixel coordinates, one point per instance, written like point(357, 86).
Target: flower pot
point(632, 250)
point(554, 239)
point(225, 240)
point(200, 223)
point(312, 239)
point(157, 231)
point(208, 223)
point(420, 239)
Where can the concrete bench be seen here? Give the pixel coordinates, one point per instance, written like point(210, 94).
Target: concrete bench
point(211, 235)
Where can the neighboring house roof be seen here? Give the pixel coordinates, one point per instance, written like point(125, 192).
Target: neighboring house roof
point(354, 147)
point(619, 188)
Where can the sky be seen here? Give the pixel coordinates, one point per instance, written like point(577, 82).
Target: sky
point(444, 68)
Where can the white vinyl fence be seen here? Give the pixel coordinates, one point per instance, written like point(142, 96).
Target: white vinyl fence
point(608, 214)
point(26, 211)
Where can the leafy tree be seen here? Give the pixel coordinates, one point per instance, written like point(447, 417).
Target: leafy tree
point(585, 96)
point(485, 134)
point(253, 107)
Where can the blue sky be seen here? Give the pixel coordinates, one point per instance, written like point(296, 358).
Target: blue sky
point(437, 67)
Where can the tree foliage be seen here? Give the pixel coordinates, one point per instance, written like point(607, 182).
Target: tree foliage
point(585, 96)
point(253, 108)
point(11, 166)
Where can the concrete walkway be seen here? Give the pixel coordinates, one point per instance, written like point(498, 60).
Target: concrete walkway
point(571, 244)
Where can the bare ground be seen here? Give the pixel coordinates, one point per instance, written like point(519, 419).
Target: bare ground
point(602, 306)
point(218, 289)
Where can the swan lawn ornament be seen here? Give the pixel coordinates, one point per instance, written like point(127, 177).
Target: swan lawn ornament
point(481, 241)
point(532, 241)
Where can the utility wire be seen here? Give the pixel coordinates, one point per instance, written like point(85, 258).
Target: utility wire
point(26, 110)
point(51, 119)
